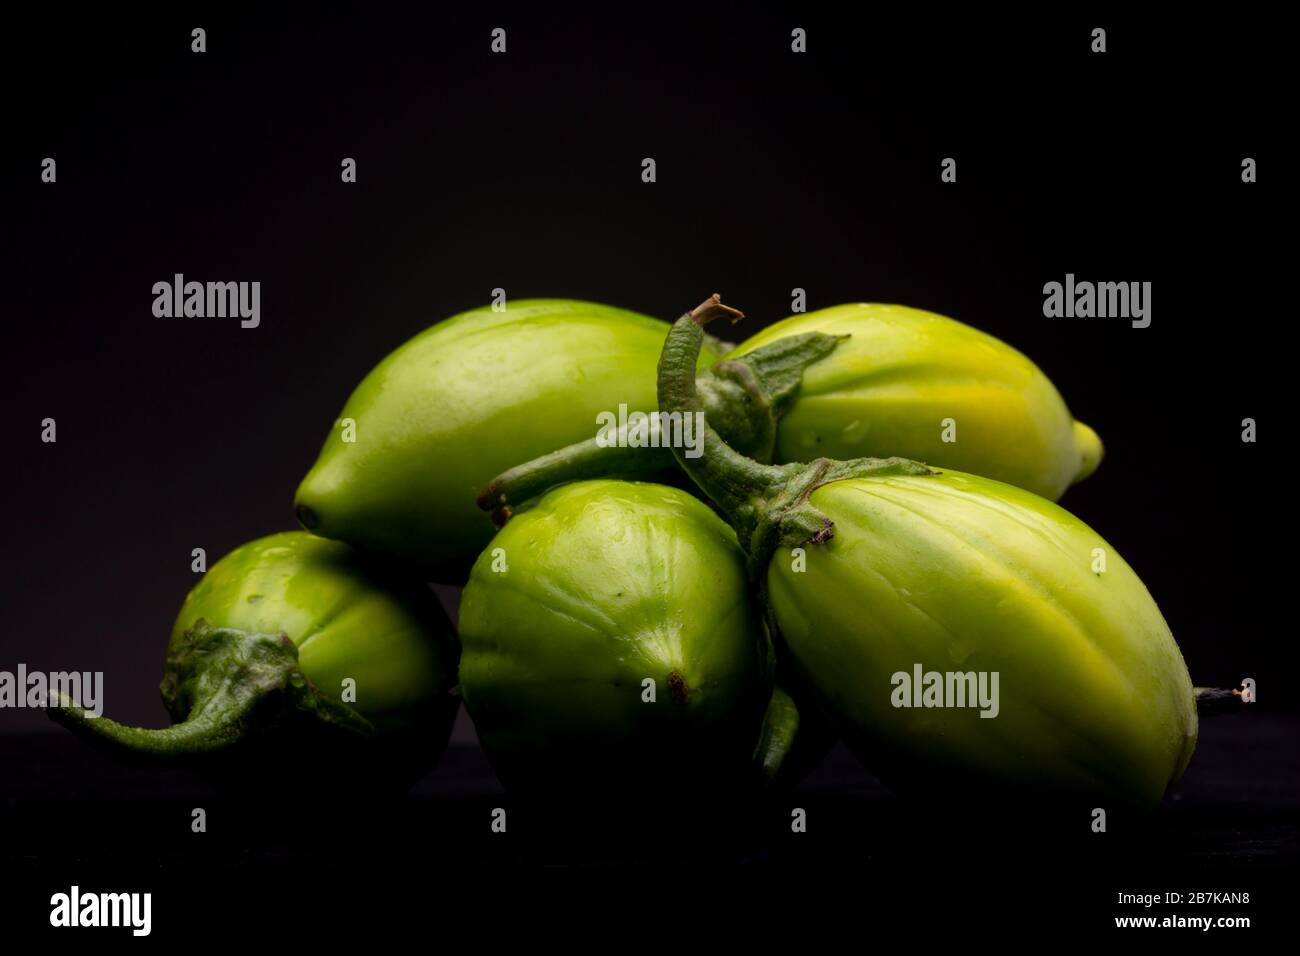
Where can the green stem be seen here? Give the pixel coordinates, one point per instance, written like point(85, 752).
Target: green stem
point(576, 462)
point(743, 399)
point(794, 740)
point(735, 482)
point(201, 735)
point(767, 505)
point(223, 687)
point(779, 732)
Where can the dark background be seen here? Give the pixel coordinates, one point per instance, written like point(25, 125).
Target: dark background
point(522, 171)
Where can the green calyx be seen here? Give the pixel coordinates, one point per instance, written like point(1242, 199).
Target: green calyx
point(222, 686)
point(744, 399)
point(768, 505)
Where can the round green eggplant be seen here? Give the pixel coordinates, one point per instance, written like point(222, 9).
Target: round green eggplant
point(890, 582)
point(595, 598)
point(294, 649)
point(427, 429)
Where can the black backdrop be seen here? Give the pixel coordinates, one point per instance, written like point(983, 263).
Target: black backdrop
point(522, 171)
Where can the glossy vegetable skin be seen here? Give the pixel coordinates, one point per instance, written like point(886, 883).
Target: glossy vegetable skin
point(583, 597)
point(873, 568)
point(963, 574)
point(291, 649)
point(459, 403)
point(901, 373)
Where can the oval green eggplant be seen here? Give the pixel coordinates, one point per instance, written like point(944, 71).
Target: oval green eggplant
point(858, 381)
point(609, 642)
point(958, 628)
point(291, 649)
point(890, 385)
point(1069, 675)
point(426, 430)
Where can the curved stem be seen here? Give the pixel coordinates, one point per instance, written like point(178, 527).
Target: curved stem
point(736, 483)
point(576, 462)
point(767, 505)
point(206, 734)
point(743, 399)
point(222, 686)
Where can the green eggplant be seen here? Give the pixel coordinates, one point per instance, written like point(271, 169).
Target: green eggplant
point(427, 429)
point(863, 380)
point(905, 595)
point(610, 643)
point(903, 381)
point(293, 646)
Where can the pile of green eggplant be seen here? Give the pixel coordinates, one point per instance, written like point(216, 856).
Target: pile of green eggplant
point(687, 566)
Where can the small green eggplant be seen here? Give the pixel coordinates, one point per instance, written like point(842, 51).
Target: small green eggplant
point(294, 649)
point(427, 429)
point(610, 643)
point(959, 629)
point(918, 385)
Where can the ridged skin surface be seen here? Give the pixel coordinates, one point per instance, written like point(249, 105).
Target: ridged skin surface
point(610, 583)
point(460, 403)
point(887, 390)
point(958, 573)
point(346, 620)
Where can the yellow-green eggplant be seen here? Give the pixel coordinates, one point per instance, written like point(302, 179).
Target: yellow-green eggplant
point(959, 629)
point(914, 384)
point(293, 655)
point(865, 380)
point(427, 429)
point(610, 643)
